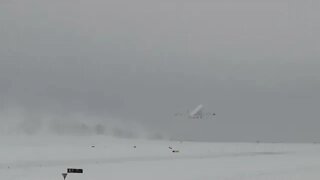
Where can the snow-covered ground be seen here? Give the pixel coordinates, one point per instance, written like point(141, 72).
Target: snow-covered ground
point(103, 158)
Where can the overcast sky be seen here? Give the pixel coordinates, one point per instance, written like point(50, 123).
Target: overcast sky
point(134, 64)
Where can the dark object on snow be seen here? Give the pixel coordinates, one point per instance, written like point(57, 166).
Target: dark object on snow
point(93, 146)
point(134, 146)
point(170, 147)
point(64, 175)
point(175, 151)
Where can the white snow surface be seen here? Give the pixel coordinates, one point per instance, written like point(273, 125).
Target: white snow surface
point(45, 158)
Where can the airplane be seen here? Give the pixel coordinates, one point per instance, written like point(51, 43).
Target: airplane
point(197, 113)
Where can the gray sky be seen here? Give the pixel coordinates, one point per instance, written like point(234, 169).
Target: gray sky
point(131, 65)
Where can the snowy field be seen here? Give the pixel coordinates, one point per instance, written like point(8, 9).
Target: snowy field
point(103, 158)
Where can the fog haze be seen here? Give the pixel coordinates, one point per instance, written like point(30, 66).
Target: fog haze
point(126, 67)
